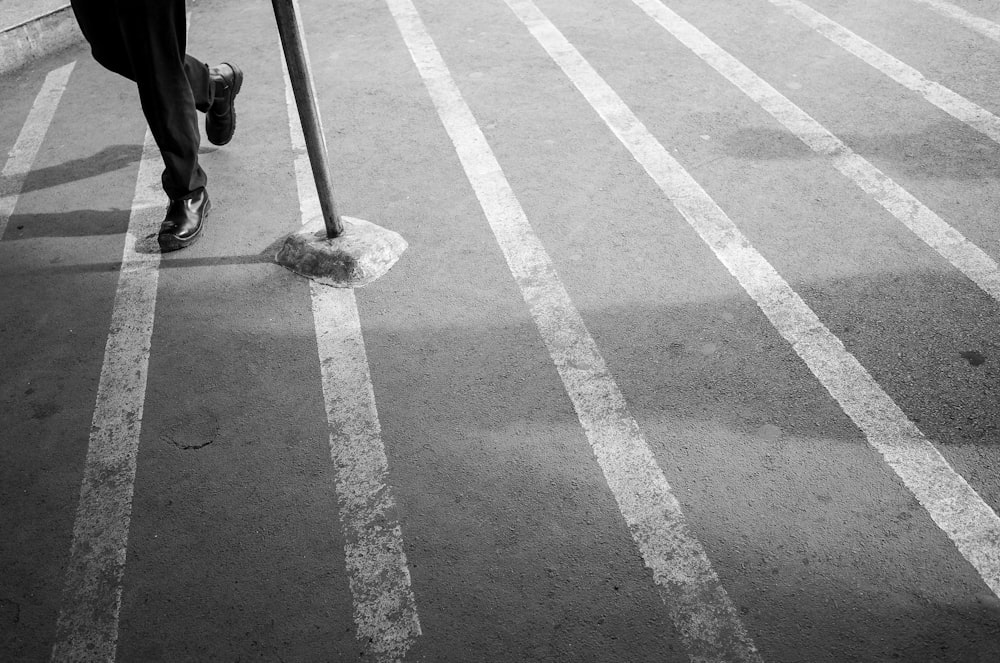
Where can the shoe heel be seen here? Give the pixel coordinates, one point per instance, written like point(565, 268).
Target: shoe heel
point(237, 77)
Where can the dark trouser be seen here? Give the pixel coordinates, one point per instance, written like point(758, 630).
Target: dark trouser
point(145, 41)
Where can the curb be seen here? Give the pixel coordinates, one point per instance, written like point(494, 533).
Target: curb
point(37, 37)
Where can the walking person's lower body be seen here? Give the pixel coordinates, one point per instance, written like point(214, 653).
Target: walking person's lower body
point(146, 42)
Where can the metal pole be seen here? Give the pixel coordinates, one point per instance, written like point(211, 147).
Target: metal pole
point(289, 18)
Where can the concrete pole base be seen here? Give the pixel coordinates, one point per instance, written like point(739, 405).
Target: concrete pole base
point(360, 255)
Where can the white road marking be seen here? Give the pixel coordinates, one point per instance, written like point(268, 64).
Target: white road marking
point(956, 508)
point(698, 604)
point(28, 142)
point(980, 25)
point(87, 628)
point(968, 258)
point(385, 610)
point(950, 102)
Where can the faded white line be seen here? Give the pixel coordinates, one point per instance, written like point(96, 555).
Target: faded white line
point(950, 102)
point(385, 610)
point(698, 604)
point(968, 258)
point(87, 628)
point(956, 508)
point(36, 125)
point(956, 13)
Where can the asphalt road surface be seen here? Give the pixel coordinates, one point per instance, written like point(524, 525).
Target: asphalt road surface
point(693, 356)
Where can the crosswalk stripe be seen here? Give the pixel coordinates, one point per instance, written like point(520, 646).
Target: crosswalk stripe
point(698, 604)
point(964, 255)
point(950, 102)
point(87, 627)
point(980, 25)
point(385, 610)
point(957, 509)
point(28, 142)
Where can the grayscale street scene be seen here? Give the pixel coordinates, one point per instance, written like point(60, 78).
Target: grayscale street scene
point(681, 344)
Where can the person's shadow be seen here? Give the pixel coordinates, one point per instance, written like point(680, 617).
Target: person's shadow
point(113, 157)
point(78, 222)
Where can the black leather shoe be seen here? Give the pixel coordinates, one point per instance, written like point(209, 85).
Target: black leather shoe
point(220, 120)
point(184, 222)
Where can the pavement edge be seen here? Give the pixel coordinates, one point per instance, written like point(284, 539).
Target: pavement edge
point(37, 37)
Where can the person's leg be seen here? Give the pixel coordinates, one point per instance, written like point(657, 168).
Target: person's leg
point(154, 33)
point(145, 41)
point(201, 82)
point(99, 25)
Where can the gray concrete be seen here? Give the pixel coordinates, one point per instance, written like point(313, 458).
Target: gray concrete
point(15, 12)
point(30, 30)
point(517, 549)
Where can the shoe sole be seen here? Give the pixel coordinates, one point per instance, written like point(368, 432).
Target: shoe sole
point(170, 243)
point(237, 85)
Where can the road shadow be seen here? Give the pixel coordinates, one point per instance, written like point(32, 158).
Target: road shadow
point(929, 338)
point(934, 636)
point(172, 260)
point(78, 223)
point(487, 454)
point(806, 522)
point(941, 151)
